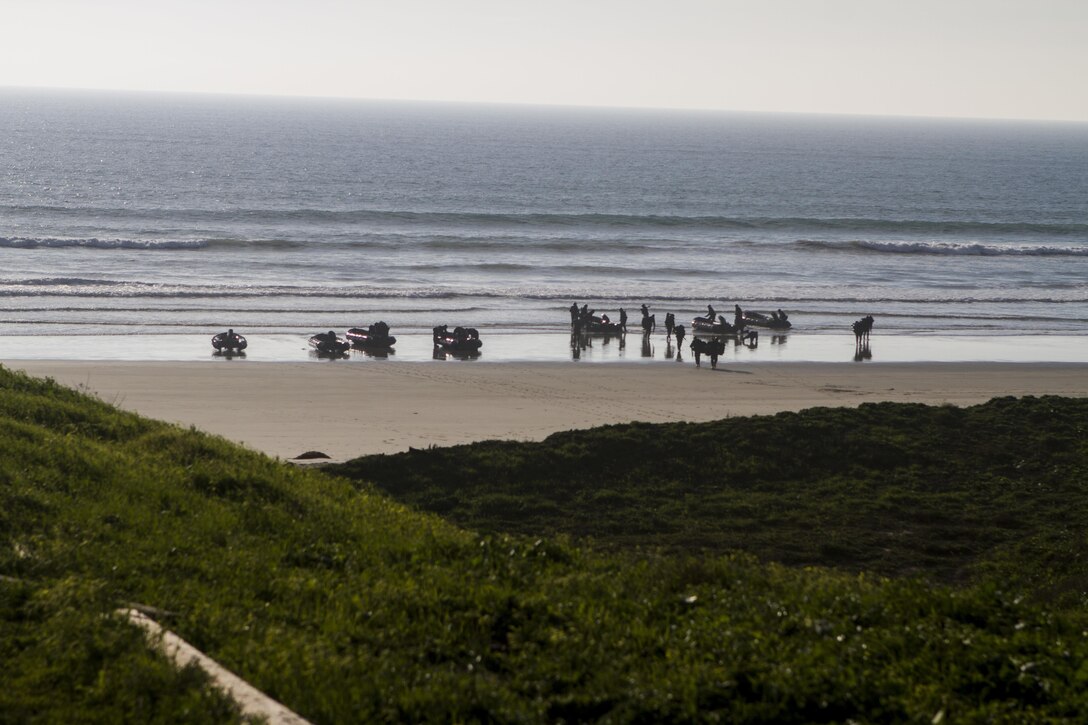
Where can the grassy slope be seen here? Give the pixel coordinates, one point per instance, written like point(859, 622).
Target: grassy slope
point(349, 607)
point(999, 489)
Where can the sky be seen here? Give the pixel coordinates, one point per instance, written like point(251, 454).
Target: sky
point(954, 58)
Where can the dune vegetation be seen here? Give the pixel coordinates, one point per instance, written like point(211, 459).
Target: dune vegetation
point(951, 494)
point(349, 606)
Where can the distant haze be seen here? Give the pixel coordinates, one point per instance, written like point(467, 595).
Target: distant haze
point(966, 58)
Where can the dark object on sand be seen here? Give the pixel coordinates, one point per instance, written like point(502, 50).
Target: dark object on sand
point(601, 325)
point(310, 455)
point(705, 326)
point(229, 341)
point(373, 336)
point(462, 339)
point(327, 343)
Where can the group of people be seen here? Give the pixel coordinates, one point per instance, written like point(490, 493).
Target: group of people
point(580, 317)
point(378, 330)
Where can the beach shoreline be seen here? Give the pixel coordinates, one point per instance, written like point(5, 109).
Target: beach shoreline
point(348, 410)
point(553, 346)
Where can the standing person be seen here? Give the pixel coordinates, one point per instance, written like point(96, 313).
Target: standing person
point(573, 313)
point(679, 340)
point(623, 319)
point(711, 315)
point(738, 317)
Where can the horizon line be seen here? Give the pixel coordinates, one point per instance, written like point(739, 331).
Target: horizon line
point(537, 104)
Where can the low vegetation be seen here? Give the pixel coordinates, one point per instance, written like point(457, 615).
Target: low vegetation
point(952, 494)
point(348, 606)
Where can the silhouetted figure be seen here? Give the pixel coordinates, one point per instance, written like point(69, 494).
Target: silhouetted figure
point(711, 315)
point(862, 328)
point(670, 323)
point(713, 348)
point(623, 320)
point(738, 317)
point(679, 342)
point(751, 339)
point(648, 321)
point(573, 313)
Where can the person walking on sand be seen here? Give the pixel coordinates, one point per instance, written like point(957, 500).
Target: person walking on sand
point(623, 319)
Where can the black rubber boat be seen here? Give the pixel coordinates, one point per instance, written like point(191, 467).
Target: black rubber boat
point(375, 336)
point(595, 325)
point(229, 341)
point(327, 343)
point(770, 322)
point(461, 340)
point(704, 326)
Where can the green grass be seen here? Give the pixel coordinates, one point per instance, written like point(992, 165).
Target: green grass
point(997, 490)
point(349, 607)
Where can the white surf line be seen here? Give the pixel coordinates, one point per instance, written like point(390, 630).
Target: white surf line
point(252, 701)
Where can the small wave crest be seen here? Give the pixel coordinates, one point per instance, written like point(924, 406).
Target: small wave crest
point(953, 249)
point(98, 243)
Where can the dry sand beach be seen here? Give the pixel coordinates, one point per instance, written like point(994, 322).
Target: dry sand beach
point(345, 411)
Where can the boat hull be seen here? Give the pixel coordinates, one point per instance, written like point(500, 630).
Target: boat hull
point(755, 319)
point(324, 346)
point(701, 326)
point(224, 343)
point(362, 337)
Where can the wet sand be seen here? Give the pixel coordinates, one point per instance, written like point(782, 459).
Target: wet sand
point(349, 410)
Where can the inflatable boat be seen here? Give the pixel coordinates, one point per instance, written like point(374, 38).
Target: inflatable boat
point(374, 336)
point(461, 340)
point(229, 341)
point(705, 326)
point(771, 322)
point(327, 343)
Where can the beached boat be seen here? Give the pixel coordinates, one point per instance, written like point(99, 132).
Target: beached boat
point(771, 322)
point(327, 343)
point(374, 336)
point(705, 326)
point(461, 340)
point(229, 341)
point(600, 325)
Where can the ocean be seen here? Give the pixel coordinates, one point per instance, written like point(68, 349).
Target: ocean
point(151, 217)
